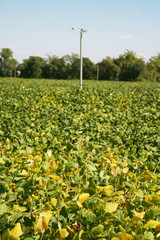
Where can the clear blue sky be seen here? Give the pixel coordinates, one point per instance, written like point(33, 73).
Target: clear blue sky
point(41, 27)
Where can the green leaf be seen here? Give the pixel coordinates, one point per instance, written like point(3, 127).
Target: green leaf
point(148, 236)
point(92, 167)
point(5, 235)
point(64, 211)
point(3, 208)
point(3, 187)
point(139, 193)
point(97, 229)
point(120, 215)
point(155, 199)
point(69, 146)
point(150, 214)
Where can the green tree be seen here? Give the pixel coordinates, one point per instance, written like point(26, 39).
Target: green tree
point(61, 68)
point(131, 66)
point(154, 68)
point(72, 63)
point(7, 63)
point(58, 68)
point(32, 67)
point(55, 68)
point(89, 69)
point(108, 70)
point(47, 70)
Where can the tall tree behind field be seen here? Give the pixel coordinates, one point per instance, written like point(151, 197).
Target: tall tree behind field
point(7, 63)
point(131, 66)
point(68, 67)
point(89, 69)
point(55, 68)
point(73, 67)
point(72, 62)
point(32, 67)
point(108, 70)
point(154, 68)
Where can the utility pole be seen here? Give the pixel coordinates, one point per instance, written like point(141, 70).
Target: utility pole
point(81, 31)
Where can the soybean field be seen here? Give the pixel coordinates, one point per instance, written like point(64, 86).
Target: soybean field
point(79, 164)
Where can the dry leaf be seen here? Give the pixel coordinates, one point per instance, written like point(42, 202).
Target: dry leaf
point(157, 230)
point(77, 226)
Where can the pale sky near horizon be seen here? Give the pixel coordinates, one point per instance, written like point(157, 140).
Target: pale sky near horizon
point(41, 27)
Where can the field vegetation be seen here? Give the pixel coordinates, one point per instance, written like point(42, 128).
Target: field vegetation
point(79, 164)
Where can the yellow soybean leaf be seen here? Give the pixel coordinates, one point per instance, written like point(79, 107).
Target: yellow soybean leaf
point(100, 188)
point(39, 227)
point(53, 201)
point(79, 204)
point(76, 171)
point(21, 209)
point(64, 233)
point(46, 215)
point(125, 236)
point(151, 224)
point(40, 182)
point(15, 208)
point(158, 193)
point(53, 165)
point(16, 231)
point(111, 207)
point(83, 197)
point(1, 161)
point(147, 175)
point(43, 221)
point(55, 177)
point(124, 164)
point(138, 216)
point(107, 190)
point(148, 198)
point(108, 155)
point(153, 188)
point(118, 193)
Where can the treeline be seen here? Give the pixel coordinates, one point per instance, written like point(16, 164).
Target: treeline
point(127, 67)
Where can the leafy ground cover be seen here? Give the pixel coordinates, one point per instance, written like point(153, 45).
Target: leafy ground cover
point(79, 164)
